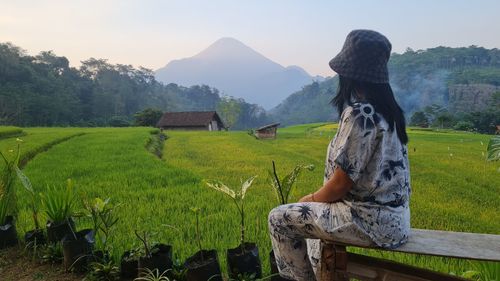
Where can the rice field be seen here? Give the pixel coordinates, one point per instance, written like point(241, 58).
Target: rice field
point(454, 188)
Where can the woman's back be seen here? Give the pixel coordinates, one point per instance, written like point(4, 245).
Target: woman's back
point(377, 162)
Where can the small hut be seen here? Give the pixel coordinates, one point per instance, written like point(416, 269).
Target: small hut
point(192, 120)
point(267, 132)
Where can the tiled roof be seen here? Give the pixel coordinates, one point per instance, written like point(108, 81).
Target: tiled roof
point(188, 119)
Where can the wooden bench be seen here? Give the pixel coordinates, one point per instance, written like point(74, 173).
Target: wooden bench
point(338, 264)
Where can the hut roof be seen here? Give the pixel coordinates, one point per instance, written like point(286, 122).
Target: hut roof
point(188, 119)
point(268, 126)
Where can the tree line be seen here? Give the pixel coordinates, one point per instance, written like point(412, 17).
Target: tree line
point(420, 80)
point(44, 90)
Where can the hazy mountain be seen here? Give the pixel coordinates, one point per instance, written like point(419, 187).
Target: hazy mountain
point(237, 70)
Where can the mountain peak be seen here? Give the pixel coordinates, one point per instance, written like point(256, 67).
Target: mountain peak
point(236, 70)
point(228, 48)
point(227, 41)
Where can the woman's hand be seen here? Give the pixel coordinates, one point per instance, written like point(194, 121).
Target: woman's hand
point(333, 190)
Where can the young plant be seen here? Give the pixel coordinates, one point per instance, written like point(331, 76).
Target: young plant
point(238, 199)
point(153, 275)
point(493, 150)
point(179, 271)
point(283, 187)
point(52, 253)
point(8, 202)
point(103, 218)
point(145, 242)
point(34, 204)
point(103, 271)
point(59, 204)
point(196, 212)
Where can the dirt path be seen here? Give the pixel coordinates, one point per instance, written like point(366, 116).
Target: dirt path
point(17, 266)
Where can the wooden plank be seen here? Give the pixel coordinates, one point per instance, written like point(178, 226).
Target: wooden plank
point(453, 244)
point(474, 246)
point(369, 268)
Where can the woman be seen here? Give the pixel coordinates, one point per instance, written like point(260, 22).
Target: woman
point(366, 191)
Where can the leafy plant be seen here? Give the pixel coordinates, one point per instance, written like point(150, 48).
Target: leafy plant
point(483, 271)
point(197, 211)
point(103, 271)
point(59, 204)
point(153, 275)
point(283, 187)
point(178, 271)
point(147, 247)
point(34, 196)
point(8, 202)
point(133, 255)
point(245, 277)
point(493, 149)
point(52, 253)
point(238, 199)
point(103, 218)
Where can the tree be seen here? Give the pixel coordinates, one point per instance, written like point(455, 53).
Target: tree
point(419, 118)
point(433, 111)
point(444, 120)
point(230, 109)
point(148, 117)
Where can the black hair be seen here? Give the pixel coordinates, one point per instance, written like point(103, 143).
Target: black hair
point(379, 95)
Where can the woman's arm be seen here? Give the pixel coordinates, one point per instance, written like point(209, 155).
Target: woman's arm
point(333, 190)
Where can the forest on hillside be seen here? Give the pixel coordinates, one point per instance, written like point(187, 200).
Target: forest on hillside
point(421, 82)
point(43, 90)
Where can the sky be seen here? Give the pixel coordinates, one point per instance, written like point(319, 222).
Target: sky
point(307, 33)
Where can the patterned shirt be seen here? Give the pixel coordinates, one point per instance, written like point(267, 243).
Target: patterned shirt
point(377, 163)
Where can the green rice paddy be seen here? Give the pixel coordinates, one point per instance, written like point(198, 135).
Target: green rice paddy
point(454, 188)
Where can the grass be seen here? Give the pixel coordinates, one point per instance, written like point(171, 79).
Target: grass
point(10, 131)
point(453, 187)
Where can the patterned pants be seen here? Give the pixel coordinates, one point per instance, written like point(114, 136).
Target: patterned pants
point(296, 230)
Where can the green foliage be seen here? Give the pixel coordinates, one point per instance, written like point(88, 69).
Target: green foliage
point(103, 271)
point(283, 187)
point(35, 199)
point(229, 108)
point(44, 90)
point(119, 121)
point(196, 212)
point(483, 121)
point(8, 201)
point(245, 277)
point(311, 104)
point(10, 131)
point(149, 248)
point(463, 126)
point(483, 271)
point(444, 120)
point(148, 117)
point(153, 275)
point(59, 203)
point(493, 149)
point(238, 199)
point(112, 161)
point(419, 118)
point(104, 219)
point(52, 253)
point(154, 143)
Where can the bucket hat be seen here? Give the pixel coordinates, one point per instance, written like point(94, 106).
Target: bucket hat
point(364, 57)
